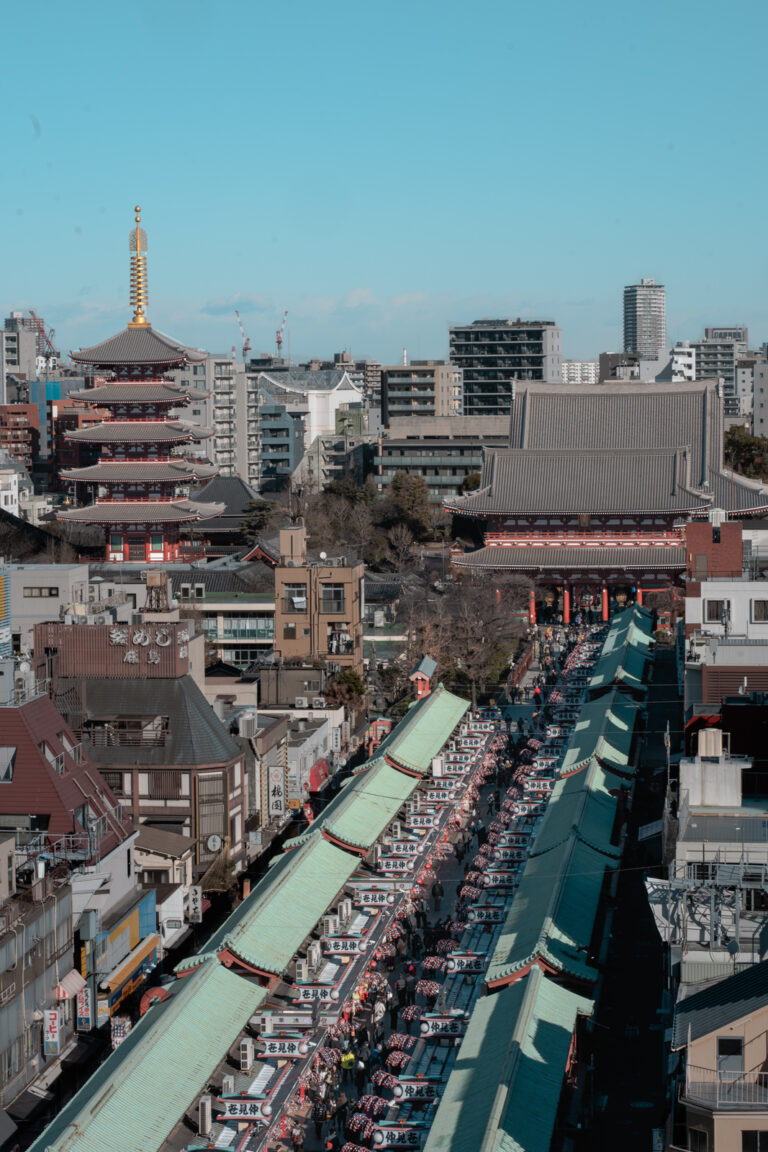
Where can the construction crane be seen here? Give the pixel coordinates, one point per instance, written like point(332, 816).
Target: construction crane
point(279, 334)
point(246, 340)
point(47, 336)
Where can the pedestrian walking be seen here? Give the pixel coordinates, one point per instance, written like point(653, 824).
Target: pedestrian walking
point(361, 1077)
point(318, 1117)
point(437, 895)
point(410, 984)
point(297, 1138)
point(342, 1107)
point(347, 1065)
point(416, 946)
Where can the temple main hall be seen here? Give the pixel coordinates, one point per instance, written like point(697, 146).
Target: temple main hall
point(591, 498)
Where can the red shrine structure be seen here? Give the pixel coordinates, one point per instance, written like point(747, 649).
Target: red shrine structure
point(144, 452)
point(591, 498)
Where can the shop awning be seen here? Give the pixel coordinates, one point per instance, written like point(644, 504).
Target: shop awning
point(69, 985)
point(319, 775)
point(132, 962)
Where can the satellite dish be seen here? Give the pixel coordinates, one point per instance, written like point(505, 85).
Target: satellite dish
point(323, 555)
point(25, 667)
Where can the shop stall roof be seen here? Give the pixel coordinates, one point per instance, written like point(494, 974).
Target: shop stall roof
point(134, 1100)
point(605, 728)
point(423, 731)
point(504, 1090)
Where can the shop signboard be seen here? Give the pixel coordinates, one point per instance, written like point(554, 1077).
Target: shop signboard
point(416, 1088)
point(373, 897)
point(243, 1108)
point(466, 961)
point(283, 1047)
point(51, 1026)
point(84, 1010)
point(195, 904)
point(307, 992)
point(432, 1027)
point(276, 804)
point(486, 914)
point(397, 1136)
point(344, 945)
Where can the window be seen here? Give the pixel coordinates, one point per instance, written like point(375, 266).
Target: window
point(760, 611)
point(289, 632)
point(332, 598)
point(34, 593)
point(295, 597)
point(717, 611)
point(754, 1140)
point(697, 1140)
point(7, 758)
point(116, 542)
point(156, 542)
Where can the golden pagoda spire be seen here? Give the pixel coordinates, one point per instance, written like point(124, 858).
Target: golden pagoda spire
point(137, 246)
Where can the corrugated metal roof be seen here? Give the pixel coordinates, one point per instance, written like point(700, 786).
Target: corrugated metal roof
point(135, 1099)
point(504, 1090)
point(720, 1004)
point(587, 559)
point(307, 882)
point(553, 913)
point(423, 730)
point(141, 345)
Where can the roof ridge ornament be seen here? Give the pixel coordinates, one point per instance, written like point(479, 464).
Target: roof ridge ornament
point(137, 245)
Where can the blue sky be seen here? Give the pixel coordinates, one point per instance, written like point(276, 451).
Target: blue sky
point(384, 170)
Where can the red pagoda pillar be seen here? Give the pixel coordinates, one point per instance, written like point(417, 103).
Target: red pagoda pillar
point(532, 607)
point(639, 597)
point(566, 604)
point(605, 603)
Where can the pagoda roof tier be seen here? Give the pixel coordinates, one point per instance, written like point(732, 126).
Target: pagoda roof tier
point(142, 512)
point(141, 471)
point(139, 431)
point(130, 392)
point(141, 345)
point(571, 481)
point(583, 557)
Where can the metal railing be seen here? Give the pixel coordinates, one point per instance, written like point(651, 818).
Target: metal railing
point(124, 738)
point(726, 1089)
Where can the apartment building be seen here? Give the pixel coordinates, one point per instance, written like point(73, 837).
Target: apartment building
point(492, 354)
point(421, 388)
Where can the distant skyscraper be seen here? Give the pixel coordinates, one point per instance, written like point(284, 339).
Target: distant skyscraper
point(645, 319)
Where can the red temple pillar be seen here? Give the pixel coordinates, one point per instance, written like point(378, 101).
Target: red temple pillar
point(605, 603)
point(566, 604)
point(639, 597)
point(532, 607)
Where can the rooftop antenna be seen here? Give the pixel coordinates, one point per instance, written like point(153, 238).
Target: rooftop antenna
point(137, 245)
point(279, 334)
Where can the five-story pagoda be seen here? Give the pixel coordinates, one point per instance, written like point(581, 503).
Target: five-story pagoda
point(144, 451)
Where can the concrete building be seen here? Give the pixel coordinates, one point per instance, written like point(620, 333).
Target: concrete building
point(493, 354)
point(443, 450)
point(683, 362)
point(645, 319)
point(421, 388)
point(580, 372)
point(9, 491)
point(281, 445)
point(20, 432)
point(760, 397)
point(716, 358)
point(23, 353)
point(319, 606)
point(315, 394)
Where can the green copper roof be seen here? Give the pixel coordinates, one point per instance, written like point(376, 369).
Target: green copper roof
point(626, 664)
point(503, 1093)
point(553, 913)
point(136, 1098)
point(423, 730)
point(605, 728)
point(366, 808)
point(284, 908)
point(583, 803)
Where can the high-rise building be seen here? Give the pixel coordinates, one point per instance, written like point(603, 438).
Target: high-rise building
point(421, 388)
point(493, 354)
point(716, 357)
point(645, 319)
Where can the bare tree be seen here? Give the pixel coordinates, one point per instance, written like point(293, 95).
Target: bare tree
point(401, 542)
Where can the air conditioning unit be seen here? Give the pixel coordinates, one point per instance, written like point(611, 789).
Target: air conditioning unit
point(205, 1115)
point(301, 702)
point(375, 854)
point(318, 702)
point(396, 829)
point(414, 804)
point(302, 971)
point(247, 1053)
point(137, 618)
point(438, 767)
point(185, 591)
point(246, 725)
point(345, 910)
point(314, 954)
point(227, 1085)
point(330, 925)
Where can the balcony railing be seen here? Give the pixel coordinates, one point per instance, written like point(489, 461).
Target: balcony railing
point(125, 738)
point(726, 1089)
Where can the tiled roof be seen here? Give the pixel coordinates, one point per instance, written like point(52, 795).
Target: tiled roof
point(304, 380)
point(136, 1098)
point(141, 345)
point(156, 392)
point(721, 1004)
point(605, 728)
point(146, 511)
point(139, 431)
point(571, 481)
point(634, 559)
point(504, 1090)
point(195, 736)
point(122, 472)
point(362, 811)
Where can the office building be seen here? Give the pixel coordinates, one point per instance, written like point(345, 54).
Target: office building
point(422, 388)
point(645, 319)
point(493, 354)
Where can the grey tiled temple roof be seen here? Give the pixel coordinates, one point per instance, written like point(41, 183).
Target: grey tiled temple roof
point(587, 558)
point(129, 393)
point(149, 511)
point(569, 481)
point(141, 472)
point(116, 431)
point(140, 345)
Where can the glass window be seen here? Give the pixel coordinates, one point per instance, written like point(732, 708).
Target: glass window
point(753, 1140)
point(716, 610)
point(332, 597)
point(760, 611)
